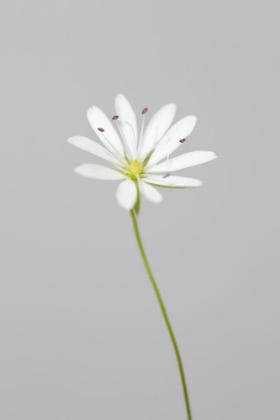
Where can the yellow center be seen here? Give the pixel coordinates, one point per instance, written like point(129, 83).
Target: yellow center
point(135, 168)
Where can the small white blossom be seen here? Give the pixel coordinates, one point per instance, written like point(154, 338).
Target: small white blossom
point(140, 162)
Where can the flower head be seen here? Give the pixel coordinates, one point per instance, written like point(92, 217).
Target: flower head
point(140, 162)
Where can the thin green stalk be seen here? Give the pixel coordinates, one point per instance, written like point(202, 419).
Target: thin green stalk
point(164, 313)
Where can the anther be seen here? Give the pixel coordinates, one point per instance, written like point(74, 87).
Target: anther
point(144, 111)
point(182, 141)
point(116, 117)
point(110, 146)
point(166, 175)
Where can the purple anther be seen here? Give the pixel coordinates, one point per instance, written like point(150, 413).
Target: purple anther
point(166, 175)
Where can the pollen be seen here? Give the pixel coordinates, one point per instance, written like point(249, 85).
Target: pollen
point(135, 168)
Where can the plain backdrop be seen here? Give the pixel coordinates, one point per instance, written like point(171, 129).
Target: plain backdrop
point(82, 335)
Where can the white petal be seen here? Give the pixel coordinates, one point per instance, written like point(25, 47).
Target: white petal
point(127, 194)
point(171, 140)
point(149, 192)
point(91, 170)
point(91, 146)
point(127, 124)
point(109, 137)
point(156, 128)
point(183, 161)
point(181, 129)
point(173, 181)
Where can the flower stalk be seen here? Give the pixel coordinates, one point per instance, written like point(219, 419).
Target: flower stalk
point(164, 313)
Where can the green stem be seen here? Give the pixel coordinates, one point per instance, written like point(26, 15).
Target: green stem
point(164, 313)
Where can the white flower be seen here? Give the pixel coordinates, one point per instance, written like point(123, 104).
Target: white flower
point(144, 163)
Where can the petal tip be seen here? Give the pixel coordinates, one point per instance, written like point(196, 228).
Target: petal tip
point(173, 106)
point(125, 207)
point(92, 109)
point(120, 96)
point(73, 139)
point(126, 194)
point(76, 169)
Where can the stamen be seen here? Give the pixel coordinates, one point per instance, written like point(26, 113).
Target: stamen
point(151, 150)
point(145, 110)
point(167, 160)
point(166, 175)
point(111, 146)
point(121, 135)
point(182, 141)
point(126, 122)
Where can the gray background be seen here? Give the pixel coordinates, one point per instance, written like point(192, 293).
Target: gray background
point(81, 333)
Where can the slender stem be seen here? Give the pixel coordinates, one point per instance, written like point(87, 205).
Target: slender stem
point(164, 313)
